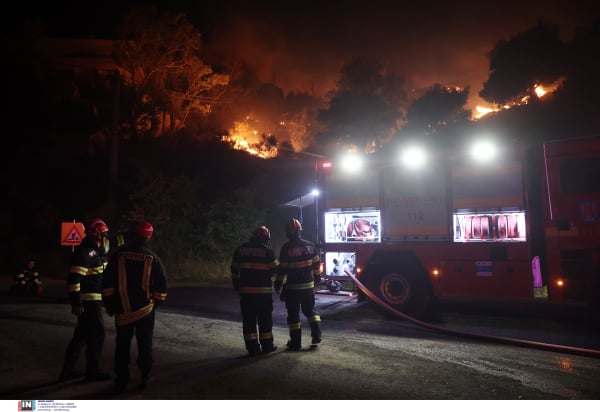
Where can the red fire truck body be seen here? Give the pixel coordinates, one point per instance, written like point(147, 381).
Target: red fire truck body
point(571, 224)
point(524, 225)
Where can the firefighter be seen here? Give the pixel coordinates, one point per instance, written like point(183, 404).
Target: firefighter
point(27, 281)
point(84, 283)
point(134, 284)
point(300, 269)
point(253, 269)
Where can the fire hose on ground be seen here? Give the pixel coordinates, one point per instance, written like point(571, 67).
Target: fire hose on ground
point(498, 339)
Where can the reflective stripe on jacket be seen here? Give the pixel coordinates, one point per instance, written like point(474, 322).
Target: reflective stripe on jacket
point(299, 264)
point(134, 281)
point(84, 281)
point(253, 267)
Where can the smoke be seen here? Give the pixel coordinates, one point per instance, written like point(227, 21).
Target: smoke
point(302, 49)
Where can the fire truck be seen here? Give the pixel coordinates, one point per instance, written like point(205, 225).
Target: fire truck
point(498, 220)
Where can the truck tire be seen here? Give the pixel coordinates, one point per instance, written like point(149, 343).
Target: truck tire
point(408, 293)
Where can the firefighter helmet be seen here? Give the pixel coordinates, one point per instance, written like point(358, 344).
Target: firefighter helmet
point(262, 232)
point(145, 230)
point(98, 228)
point(293, 226)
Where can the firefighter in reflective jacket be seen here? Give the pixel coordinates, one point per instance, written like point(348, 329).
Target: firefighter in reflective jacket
point(299, 270)
point(27, 281)
point(134, 284)
point(84, 281)
point(253, 269)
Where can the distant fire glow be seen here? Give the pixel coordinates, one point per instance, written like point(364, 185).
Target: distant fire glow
point(482, 111)
point(539, 90)
point(246, 138)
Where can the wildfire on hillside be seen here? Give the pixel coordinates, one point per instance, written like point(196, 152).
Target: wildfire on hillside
point(245, 137)
point(540, 90)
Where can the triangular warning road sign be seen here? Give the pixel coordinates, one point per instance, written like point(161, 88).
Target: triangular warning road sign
point(73, 236)
point(72, 233)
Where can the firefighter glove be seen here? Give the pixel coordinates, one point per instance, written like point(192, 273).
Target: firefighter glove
point(282, 295)
point(317, 279)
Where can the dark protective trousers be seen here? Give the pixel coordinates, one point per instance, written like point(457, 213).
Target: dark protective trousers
point(257, 309)
point(143, 330)
point(89, 332)
point(301, 300)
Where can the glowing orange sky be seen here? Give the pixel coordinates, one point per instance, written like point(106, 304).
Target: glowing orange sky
point(302, 45)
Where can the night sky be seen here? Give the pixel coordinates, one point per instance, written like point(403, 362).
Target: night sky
point(301, 45)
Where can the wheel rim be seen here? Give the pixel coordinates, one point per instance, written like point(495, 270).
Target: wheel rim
point(395, 288)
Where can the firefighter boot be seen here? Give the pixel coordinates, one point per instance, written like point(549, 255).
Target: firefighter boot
point(253, 347)
point(95, 374)
point(147, 380)
point(68, 373)
point(268, 346)
point(68, 370)
point(120, 384)
point(315, 332)
point(295, 342)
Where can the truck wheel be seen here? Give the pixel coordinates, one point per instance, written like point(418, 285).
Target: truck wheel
point(395, 289)
point(406, 293)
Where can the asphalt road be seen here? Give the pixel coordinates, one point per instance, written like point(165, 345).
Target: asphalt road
point(569, 324)
point(365, 354)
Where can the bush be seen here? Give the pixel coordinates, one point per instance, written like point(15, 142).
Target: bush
point(198, 271)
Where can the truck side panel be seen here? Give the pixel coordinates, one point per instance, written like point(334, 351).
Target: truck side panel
point(494, 187)
point(415, 205)
point(353, 191)
point(572, 224)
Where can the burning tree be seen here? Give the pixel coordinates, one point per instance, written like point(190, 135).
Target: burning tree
point(160, 56)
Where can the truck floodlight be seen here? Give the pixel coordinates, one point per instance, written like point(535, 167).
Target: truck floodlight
point(352, 163)
point(315, 192)
point(414, 157)
point(483, 151)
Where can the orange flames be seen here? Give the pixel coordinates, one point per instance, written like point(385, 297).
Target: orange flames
point(247, 138)
point(539, 90)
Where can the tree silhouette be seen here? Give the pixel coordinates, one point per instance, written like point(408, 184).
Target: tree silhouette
point(438, 108)
point(582, 81)
point(516, 65)
point(569, 111)
point(364, 108)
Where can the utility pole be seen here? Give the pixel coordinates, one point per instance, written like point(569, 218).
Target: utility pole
point(114, 146)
